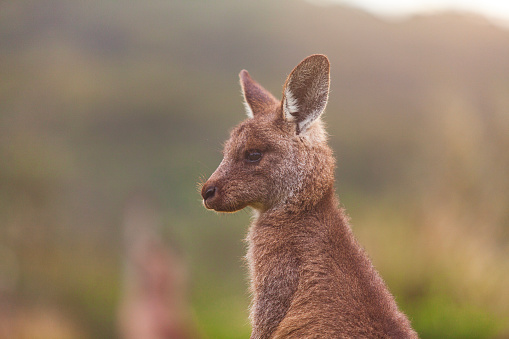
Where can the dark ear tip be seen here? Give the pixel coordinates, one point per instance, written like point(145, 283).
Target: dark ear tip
point(321, 57)
point(243, 75)
point(318, 60)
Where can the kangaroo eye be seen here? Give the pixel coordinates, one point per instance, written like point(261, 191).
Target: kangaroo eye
point(253, 155)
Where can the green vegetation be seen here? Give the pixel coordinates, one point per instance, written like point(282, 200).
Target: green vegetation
point(101, 99)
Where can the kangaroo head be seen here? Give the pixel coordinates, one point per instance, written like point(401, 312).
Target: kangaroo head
point(279, 155)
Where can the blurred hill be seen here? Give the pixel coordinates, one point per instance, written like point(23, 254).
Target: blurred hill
point(101, 98)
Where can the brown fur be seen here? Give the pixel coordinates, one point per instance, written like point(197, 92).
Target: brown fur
point(309, 276)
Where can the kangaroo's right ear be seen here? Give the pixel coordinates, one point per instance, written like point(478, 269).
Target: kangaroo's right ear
point(306, 92)
point(257, 99)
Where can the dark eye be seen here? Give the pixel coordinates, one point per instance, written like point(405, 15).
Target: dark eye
point(253, 155)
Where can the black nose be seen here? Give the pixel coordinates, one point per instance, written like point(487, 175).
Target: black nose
point(208, 192)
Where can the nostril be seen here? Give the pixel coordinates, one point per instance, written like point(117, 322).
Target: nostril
point(209, 193)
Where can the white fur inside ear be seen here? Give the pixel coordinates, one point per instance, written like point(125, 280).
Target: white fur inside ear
point(313, 115)
point(304, 124)
point(249, 111)
point(290, 106)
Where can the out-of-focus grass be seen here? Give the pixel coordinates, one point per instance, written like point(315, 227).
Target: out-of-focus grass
point(440, 316)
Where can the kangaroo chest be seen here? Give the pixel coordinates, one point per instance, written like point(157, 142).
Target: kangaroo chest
point(274, 274)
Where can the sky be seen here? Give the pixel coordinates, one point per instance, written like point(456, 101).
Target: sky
point(495, 10)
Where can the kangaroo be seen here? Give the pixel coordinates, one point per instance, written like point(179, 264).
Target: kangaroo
point(153, 304)
point(309, 276)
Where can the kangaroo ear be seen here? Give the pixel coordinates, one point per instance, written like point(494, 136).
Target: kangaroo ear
point(306, 91)
point(257, 99)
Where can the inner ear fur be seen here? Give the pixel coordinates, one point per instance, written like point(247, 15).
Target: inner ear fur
point(306, 92)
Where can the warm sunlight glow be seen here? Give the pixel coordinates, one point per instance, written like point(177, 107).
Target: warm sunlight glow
point(495, 10)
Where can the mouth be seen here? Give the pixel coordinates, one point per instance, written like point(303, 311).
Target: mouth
point(222, 209)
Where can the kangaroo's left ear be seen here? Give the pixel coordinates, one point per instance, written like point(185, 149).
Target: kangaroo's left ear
point(306, 92)
point(257, 100)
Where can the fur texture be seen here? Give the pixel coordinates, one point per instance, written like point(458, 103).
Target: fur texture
point(309, 276)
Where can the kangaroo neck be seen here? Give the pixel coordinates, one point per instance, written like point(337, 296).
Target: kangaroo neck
point(277, 241)
point(290, 211)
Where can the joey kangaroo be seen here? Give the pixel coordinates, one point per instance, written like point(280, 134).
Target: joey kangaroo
point(309, 276)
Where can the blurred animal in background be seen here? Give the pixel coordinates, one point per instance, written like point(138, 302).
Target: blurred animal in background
point(309, 276)
point(154, 303)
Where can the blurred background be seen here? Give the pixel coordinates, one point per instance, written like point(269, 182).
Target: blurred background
point(111, 112)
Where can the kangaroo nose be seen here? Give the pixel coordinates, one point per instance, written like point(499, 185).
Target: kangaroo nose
point(208, 192)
